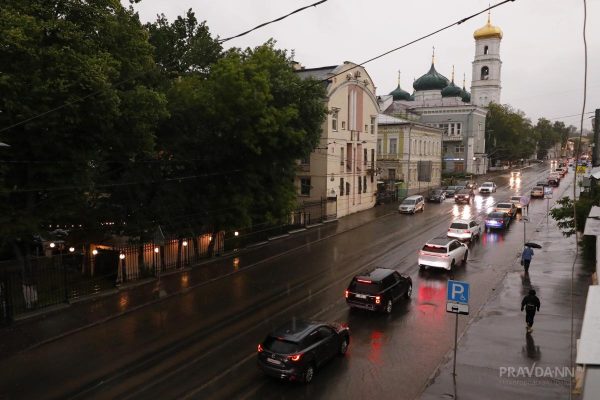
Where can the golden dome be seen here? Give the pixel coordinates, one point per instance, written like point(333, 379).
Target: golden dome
point(488, 31)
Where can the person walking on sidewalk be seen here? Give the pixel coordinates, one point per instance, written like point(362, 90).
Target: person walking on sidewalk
point(526, 258)
point(531, 304)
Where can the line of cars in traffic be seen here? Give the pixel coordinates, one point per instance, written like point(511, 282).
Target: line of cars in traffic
point(295, 350)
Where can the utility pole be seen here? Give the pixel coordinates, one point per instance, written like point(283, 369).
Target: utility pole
point(596, 148)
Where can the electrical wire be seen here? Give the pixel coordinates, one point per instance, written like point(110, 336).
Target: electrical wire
point(585, 73)
point(460, 21)
point(272, 21)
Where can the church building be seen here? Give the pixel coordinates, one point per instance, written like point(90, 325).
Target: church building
point(437, 101)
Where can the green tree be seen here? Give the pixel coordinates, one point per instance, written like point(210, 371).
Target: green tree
point(547, 136)
point(240, 130)
point(78, 104)
point(508, 134)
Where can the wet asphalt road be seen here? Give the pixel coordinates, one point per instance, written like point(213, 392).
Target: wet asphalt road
point(201, 345)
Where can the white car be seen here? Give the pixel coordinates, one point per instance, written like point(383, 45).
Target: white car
point(443, 252)
point(516, 200)
point(487, 188)
point(464, 229)
point(537, 191)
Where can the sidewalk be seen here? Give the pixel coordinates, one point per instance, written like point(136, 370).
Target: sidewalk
point(495, 356)
point(55, 322)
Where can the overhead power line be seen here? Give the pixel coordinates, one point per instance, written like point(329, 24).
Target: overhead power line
point(460, 21)
point(273, 21)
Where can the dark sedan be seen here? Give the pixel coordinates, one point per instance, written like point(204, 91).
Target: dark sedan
point(295, 350)
point(437, 195)
point(497, 220)
point(450, 190)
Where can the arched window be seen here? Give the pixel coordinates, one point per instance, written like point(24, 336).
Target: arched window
point(485, 73)
point(485, 49)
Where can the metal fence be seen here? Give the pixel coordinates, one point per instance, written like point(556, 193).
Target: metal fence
point(63, 277)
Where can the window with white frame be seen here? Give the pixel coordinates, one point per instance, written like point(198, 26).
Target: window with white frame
point(305, 186)
point(459, 149)
point(334, 120)
point(458, 128)
point(393, 146)
point(373, 121)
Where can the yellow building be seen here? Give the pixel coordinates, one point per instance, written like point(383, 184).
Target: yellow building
point(342, 168)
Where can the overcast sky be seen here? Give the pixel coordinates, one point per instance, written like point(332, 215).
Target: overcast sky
point(541, 51)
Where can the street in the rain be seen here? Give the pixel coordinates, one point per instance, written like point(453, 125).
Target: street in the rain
point(201, 344)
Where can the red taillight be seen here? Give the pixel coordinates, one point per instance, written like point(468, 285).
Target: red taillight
point(449, 230)
point(295, 357)
point(377, 299)
point(260, 349)
point(465, 231)
point(346, 293)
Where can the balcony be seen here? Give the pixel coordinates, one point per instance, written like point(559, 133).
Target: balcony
point(303, 167)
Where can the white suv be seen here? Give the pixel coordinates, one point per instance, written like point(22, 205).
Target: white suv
point(464, 229)
point(443, 252)
point(487, 188)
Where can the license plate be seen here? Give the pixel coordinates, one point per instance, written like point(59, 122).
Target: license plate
point(361, 296)
point(272, 361)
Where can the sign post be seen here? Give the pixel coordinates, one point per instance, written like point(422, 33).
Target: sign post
point(547, 196)
point(457, 302)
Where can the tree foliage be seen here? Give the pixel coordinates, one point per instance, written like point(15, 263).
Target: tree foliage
point(508, 134)
point(112, 121)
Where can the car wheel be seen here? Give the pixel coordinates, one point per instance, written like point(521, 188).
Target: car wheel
point(389, 306)
point(344, 346)
point(464, 261)
point(408, 292)
point(309, 373)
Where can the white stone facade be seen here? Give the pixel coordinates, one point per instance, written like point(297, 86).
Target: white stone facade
point(486, 79)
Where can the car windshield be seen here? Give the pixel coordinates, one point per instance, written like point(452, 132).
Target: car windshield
point(434, 249)
point(516, 198)
point(504, 205)
point(435, 192)
point(458, 225)
point(281, 346)
point(537, 188)
point(464, 191)
point(487, 184)
point(408, 202)
point(452, 187)
point(364, 287)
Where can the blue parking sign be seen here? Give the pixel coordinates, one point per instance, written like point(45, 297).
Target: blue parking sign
point(458, 292)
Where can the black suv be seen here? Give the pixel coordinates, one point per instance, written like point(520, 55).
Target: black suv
point(378, 290)
point(297, 348)
point(464, 196)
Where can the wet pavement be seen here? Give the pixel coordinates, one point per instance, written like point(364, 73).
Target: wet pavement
point(201, 343)
point(496, 358)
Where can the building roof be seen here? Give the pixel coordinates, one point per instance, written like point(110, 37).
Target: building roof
point(432, 80)
point(588, 351)
point(488, 31)
point(383, 119)
point(399, 94)
point(451, 90)
point(320, 73)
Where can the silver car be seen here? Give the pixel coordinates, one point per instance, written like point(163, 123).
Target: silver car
point(412, 204)
point(443, 252)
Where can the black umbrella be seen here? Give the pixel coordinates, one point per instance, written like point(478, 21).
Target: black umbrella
point(534, 245)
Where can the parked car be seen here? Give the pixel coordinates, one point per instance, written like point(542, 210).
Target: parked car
point(542, 183)
point(450, 190)
point(295, 350)
point(497, 220)
point(463, 196)
point(464, 229)
point(562, 171)
point(378, 290)
point(537, 191)
point(516, 200)
point(443, 252)
point(437, 195)
point(412, 204)
point(487, 188)
point(506, 207)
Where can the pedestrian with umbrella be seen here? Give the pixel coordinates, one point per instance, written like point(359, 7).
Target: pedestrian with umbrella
point(527, 255)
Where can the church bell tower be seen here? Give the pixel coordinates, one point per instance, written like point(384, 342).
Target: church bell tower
point(486, 83)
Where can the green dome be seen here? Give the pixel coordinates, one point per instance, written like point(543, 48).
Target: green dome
point(451, 91)
point(465, 96)
point(399, 94)
point(432, 80)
